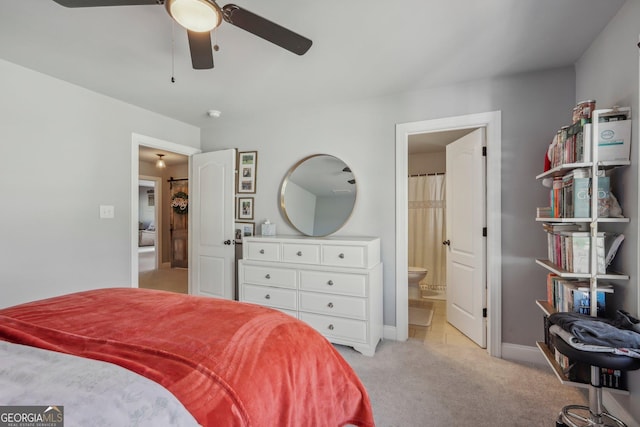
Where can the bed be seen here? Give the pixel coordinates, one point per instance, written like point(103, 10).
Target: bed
point(174, 360)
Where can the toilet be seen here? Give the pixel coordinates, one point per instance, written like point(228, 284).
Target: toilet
point(416, 274)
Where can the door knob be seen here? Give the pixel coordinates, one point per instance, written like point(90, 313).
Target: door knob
point(227, 242)
point(447, 242)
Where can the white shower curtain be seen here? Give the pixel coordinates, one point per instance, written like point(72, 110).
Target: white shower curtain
point(427, 228)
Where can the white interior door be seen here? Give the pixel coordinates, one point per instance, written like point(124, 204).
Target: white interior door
point(465, 220)
point(212, 254)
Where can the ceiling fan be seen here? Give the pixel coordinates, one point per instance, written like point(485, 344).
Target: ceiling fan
point(199, 17)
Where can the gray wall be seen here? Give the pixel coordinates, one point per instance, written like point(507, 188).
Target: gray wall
point(65, 151)
point(608, 73)
point(533, 107)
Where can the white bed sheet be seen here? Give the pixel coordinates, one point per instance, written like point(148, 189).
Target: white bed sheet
point(93, 393)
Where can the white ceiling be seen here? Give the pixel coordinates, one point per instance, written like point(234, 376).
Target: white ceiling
point(150, 155)
point(361, 49)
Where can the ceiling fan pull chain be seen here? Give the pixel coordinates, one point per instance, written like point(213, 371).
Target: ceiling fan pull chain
point(173, 59)
point(215, 40)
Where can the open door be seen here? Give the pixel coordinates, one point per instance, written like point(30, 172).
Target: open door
point(212, 259)
point(465, 222)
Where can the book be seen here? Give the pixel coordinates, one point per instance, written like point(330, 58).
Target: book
point(581, 196)
point(571, 250)
point(555, 227)
point(582, 299)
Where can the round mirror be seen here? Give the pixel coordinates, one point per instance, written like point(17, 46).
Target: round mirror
point(318, 194)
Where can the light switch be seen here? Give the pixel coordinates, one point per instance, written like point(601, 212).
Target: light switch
point(107, 212)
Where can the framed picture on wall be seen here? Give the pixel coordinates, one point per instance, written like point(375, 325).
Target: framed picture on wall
point(244, 209)
point(244, 229)
point(247, 169)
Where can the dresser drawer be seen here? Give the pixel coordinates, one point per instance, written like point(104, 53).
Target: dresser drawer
point(270, 276)
point(338, 283)
point(301, 253)
point(269, 296)
point(333, 305)
point(335, 327)
point(344, 256)
point(262, 251)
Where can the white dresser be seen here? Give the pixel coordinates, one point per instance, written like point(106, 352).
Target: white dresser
point(333, 284)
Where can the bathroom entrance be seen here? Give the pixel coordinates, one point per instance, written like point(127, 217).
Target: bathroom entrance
point(430, 161)
point(443, 213)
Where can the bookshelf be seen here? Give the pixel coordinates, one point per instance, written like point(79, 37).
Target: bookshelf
point(591, 160)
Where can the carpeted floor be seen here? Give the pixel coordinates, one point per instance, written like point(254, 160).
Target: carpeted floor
point(418, 384)
point(164, 278)
point(441, 378)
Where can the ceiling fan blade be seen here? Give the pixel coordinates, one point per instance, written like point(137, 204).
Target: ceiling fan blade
point(200, 46)
point(266, 29)
point(94, 3)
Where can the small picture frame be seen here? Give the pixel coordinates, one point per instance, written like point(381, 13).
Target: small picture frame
point(247, 170)
point(244, 229)
point(244, 209)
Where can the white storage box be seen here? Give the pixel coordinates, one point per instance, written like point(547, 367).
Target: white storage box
point(614, 140)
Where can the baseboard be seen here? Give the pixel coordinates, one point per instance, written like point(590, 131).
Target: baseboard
point(389, 333)
point(165, 265)
point(523, 353)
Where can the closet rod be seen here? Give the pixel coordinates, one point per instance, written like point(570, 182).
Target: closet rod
point(427, 174)
point(172, 179)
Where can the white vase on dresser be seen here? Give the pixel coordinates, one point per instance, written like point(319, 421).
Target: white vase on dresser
point(332, 283)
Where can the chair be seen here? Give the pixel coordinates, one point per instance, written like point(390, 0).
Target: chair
point(594, 414)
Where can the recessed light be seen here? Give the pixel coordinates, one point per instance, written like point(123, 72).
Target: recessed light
point(214, 113)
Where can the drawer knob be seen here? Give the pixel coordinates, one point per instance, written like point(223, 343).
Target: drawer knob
point(330, 283)
point(299, 253)
point(262, 251)
point(268, 276)
point(341, 256)
point(330, 327)
point(330, 305)
point(267, 296)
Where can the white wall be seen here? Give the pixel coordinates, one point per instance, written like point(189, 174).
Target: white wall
point(362, 134)
point(65, 151)
point(608, 73)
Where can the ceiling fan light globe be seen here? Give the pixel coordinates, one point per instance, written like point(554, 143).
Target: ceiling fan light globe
point(195, 15)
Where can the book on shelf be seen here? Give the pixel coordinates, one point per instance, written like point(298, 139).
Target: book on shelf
point(570, 195)
point(582, 196)
point(580, 372)
point(571, 250)
point(543, 212)
point(573, 295)
point(556, 227)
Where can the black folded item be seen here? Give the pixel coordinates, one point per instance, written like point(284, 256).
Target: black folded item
point(624, 320)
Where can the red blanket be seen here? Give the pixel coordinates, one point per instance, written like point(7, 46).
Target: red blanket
point(229, 363)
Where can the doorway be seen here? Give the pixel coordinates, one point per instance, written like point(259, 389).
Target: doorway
point(138, 141)
point(149, 222)
point(491, 122)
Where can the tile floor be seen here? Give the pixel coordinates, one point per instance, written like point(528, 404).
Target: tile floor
point(440, 331)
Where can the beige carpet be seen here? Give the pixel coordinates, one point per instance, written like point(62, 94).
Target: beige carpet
point(442, 378)
point(164, 278)
point(416, 384)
